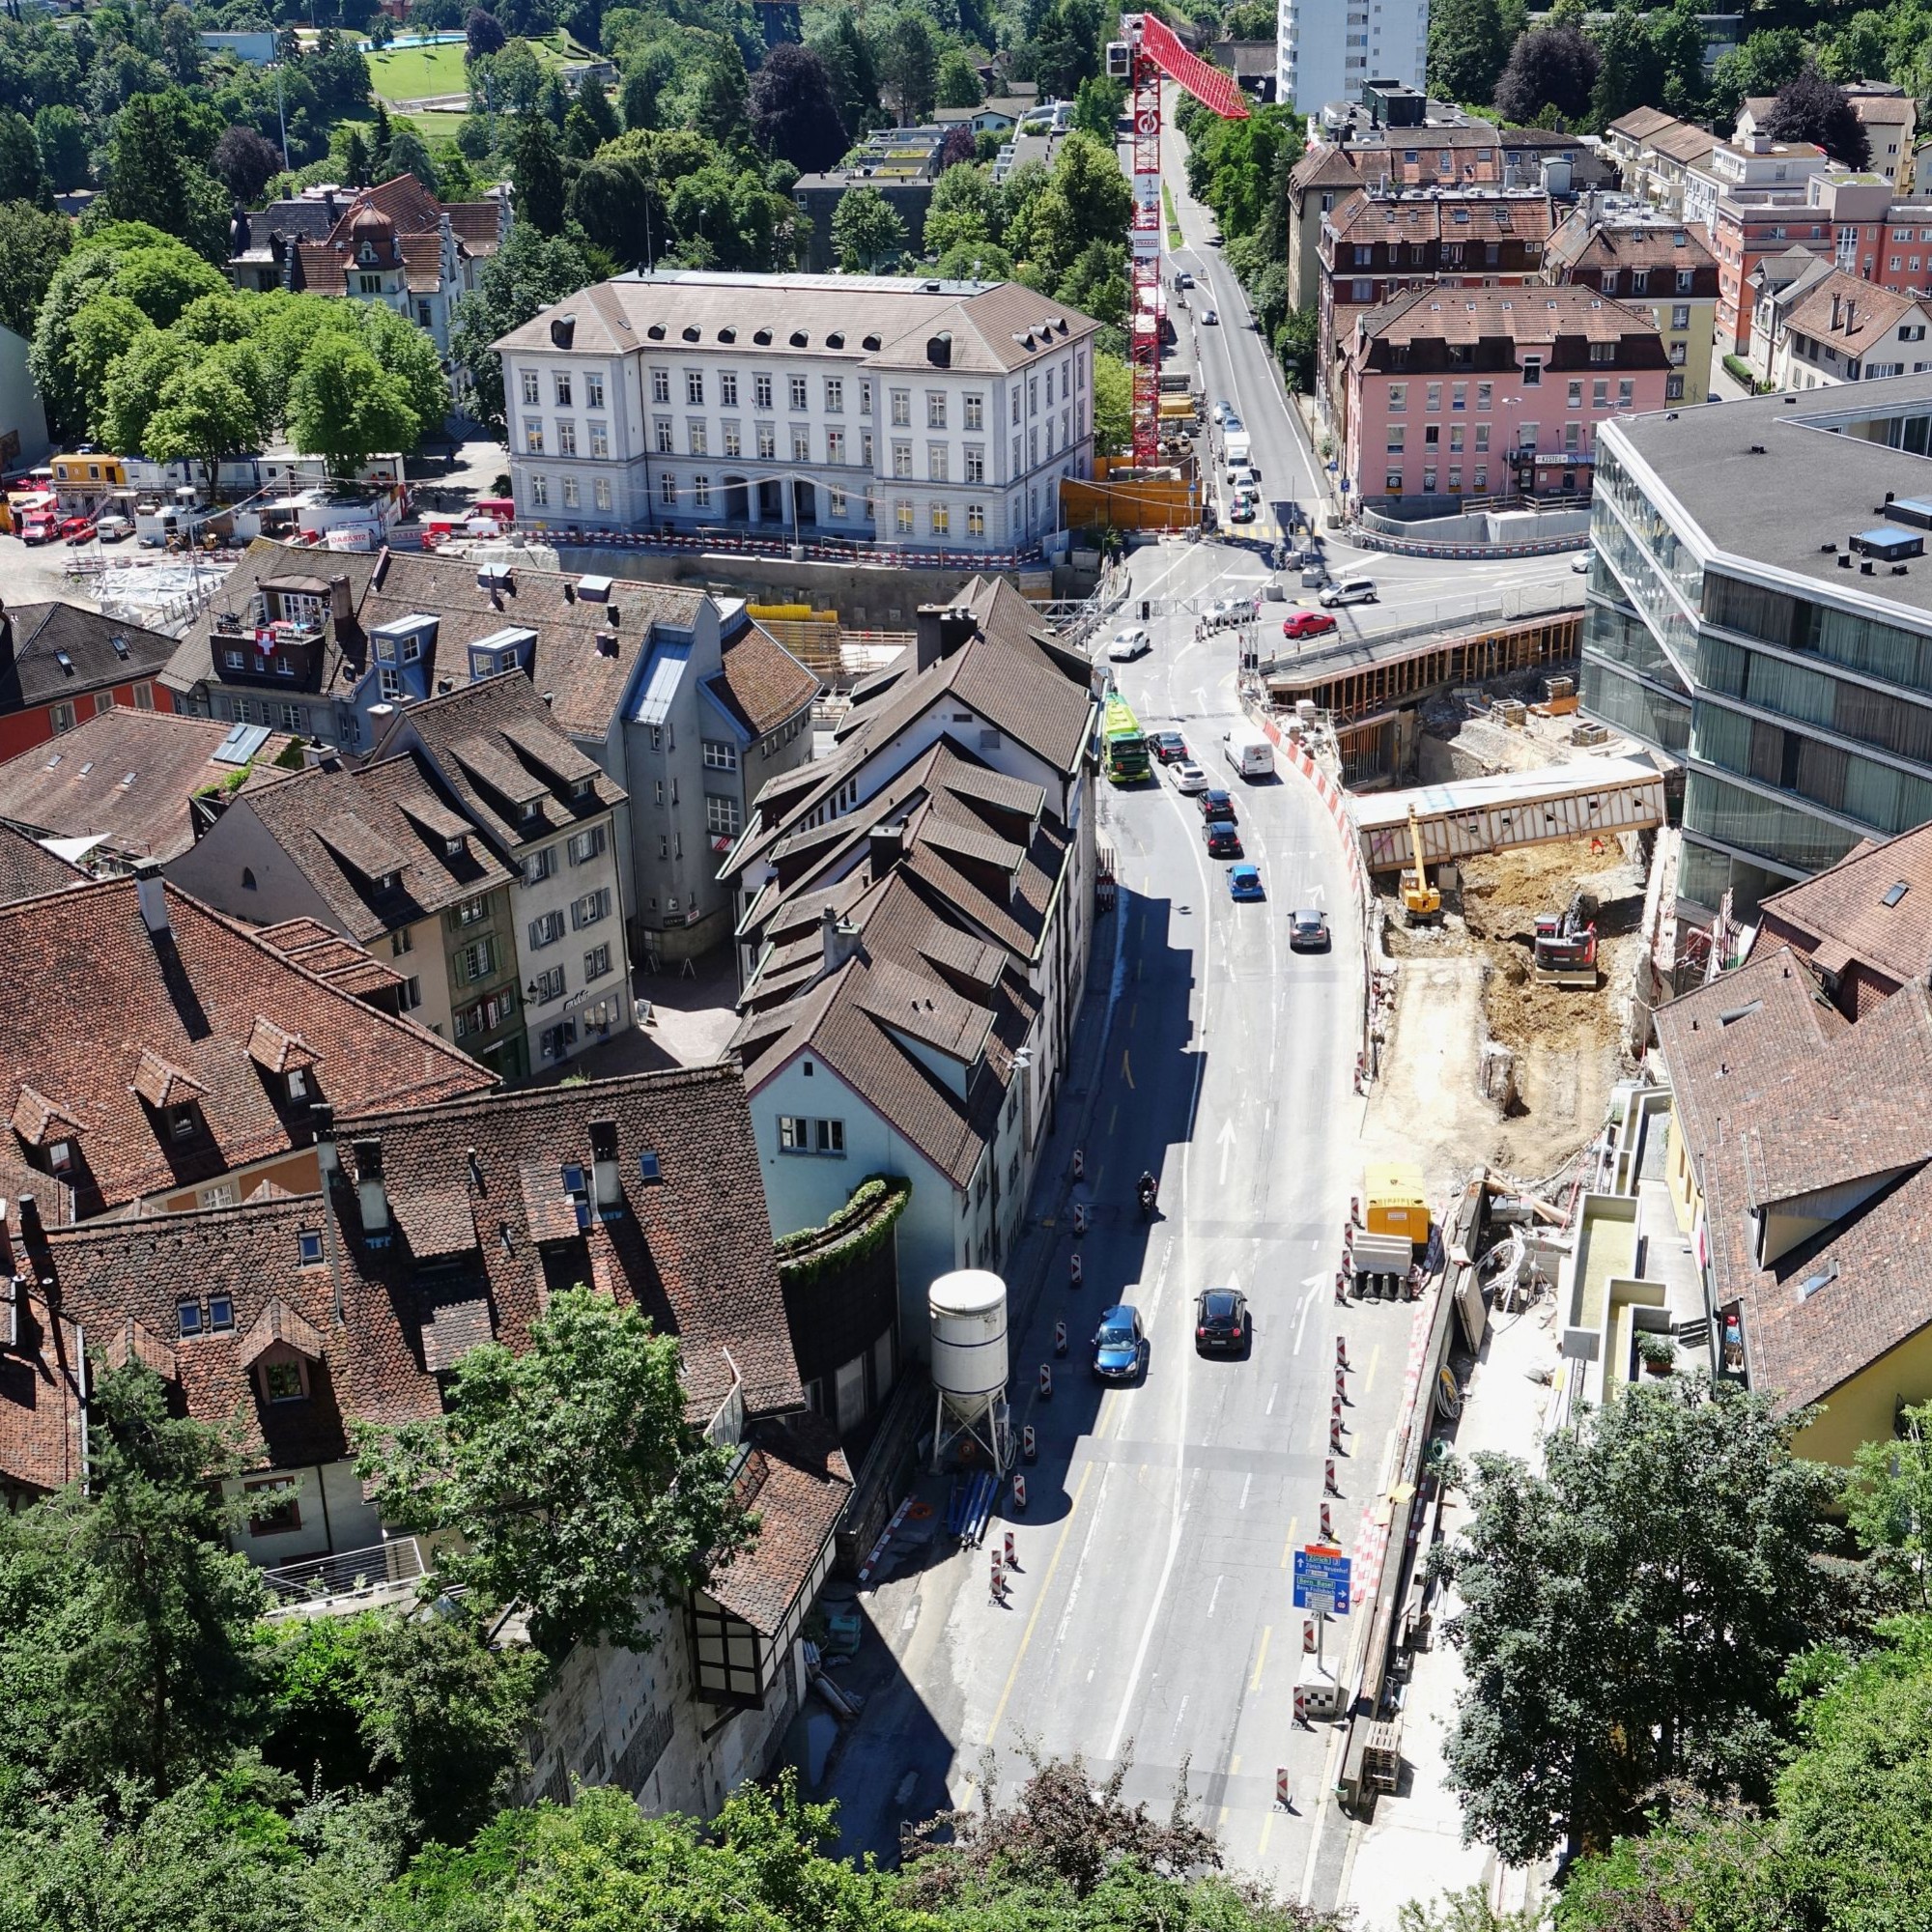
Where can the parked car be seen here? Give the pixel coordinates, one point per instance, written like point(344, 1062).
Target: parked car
point(1308, 624)
point(1245, 882)
point(1119, 1345)
point(1357, 590)
point(71, 527)
point(1169, 747)
point(1129, 645)
point(1581, 565)
point(1221, 1321)
point(85, 535)
point(1216, 804)
point(1223, 840)
point(1189, 779)
point(1230, 610)
point(1307, 930)
point(114, 530)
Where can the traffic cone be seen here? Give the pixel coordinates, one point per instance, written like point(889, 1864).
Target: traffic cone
point(1030, 1445)
point(1341, 1288)
point(1327, 1526)
point(1074, 1269)
point(1307, 1630)
point(1013, 1561)
point(1329, 1486)
point(1019, 1491)
point(1341, 1352)
point(1334, 1438)
point(1059, 1338)
point(1046, 1382)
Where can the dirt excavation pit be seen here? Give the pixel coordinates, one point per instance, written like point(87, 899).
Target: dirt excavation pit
point(1565, 1041)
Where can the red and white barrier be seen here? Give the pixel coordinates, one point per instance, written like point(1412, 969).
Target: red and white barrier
point(878, 1550)
point(1019, 1491)
point(1281, 1798)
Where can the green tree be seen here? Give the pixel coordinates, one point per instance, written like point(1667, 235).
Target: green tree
point(151, 179)
point(407, 155)
point(61, 135)
point(23, 178)
point(1467, 49)
point(180, 45)
point(1631, 69)
point(1113, 405)
point(1628, 1614)
point(909, 67)
point(527, 273)
point(344, 408)
point(851, 70)
point(537, 169)
point(1096, 108)
point(965, 207)
point(616, 205)
point(957, 81)
point(865, 228)
point(210, 410)
point(1761, 65)
point(32, 245)
point(579, 1488)
point(975, 262)
point(1889, 1503)
point(1677, 32)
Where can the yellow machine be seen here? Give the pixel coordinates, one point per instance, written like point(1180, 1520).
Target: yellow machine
point(1393, 1201)
point(1420, 900)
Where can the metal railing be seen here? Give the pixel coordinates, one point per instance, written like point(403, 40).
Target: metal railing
point(347, 1573)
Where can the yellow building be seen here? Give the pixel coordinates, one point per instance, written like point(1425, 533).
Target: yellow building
point(1799, 1169)
point(85, 480)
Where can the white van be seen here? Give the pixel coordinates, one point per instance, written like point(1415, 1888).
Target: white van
point(1249, 752)
point(1240, 448)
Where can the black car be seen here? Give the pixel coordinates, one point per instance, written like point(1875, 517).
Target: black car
point(1224, 842)
point(1169, 747)
point(1307, 931)
point(1217, 804)
point(1221, 1321)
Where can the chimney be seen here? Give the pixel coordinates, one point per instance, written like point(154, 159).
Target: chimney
point(609, 1189)
point(341, 603)
point(887, 848)
point(154, 899)
point(322, 1116)
point(925, 624)
point(841, 940)
point(607, 643)
point(1837, 312)
point(1851, 313)
point(372, 1195)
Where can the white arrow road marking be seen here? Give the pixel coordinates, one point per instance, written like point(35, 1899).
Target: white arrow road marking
point(1225, 1141)
point(1312, 1283)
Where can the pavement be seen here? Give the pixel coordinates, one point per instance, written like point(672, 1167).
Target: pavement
point(692, 1019)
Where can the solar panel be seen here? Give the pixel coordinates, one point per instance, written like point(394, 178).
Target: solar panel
point(242, 744)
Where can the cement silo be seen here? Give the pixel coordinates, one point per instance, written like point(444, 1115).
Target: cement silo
point(968, 1313)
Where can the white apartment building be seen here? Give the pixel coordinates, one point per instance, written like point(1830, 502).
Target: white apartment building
point(926, 415)
point(1330, 49)
point(1757, 169)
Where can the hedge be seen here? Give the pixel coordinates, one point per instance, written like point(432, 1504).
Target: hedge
point(847, 1236)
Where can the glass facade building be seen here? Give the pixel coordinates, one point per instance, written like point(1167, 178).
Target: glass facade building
point(1800, 708)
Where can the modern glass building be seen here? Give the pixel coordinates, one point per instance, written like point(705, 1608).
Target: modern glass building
point(1760, 609)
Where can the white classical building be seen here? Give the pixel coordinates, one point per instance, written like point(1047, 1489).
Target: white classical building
point(925, 414)
point(1330, 49)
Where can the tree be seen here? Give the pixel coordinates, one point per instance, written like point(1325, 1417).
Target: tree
point(409, 157)
point(21, 175)
point(957, 82)
point(129, 1650)
point(209, 410)
point(793, 112)
point(909, 67)
point(720, 98)
point(527, 273)
point(150, 179)
point(1627, 1614)
point(180, 45)
point(1630, 72)
point(965, 207)
point(1550, 67)
point(616, 205)
point(1467, 49)
point(1113, 405)
point(32, 245)
point(1762, 64)
point(975, 262)
point(1889, 1503)
point(483, 34)
point(1808, 107)
point(1677, 32)
point(245, 164)
point(866, 227)
point(344, 407)
point(353, 154)
point(1096, 108)
point(537, 170)
point(579, 1488)
point(850, 69)
point(61, 135)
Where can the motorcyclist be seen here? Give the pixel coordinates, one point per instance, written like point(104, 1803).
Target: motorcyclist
point(1146, 1189)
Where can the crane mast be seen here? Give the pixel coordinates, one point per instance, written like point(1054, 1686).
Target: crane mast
point(1150, 54)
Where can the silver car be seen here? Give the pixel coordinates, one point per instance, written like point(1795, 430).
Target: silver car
point(1359, 590)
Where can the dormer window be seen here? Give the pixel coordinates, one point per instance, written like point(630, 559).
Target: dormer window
point(60, 1155)
point(532, 807)
point(180, 1123)
point(388, 881)
point(284, 1380)
point(188, 1315)
point(308, 1247)
point(454, 848)
point(297, 1083)
point(221, 1314)
point(580, 1194)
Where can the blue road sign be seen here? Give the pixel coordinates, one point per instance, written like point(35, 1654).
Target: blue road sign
point(1322, 1580)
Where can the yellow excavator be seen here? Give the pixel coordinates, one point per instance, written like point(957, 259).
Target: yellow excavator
point(1421, 903)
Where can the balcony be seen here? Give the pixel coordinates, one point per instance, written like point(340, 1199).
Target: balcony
point(348, 1581)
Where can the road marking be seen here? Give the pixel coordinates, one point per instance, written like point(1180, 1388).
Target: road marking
point(1214, 1597)
point(1180, 1717)
point(1328, 1768)
point(1274, 1391)
point(1133, 1015)
point(1045, 1585)
point(1268, 1826)
point(1287, 1548)
point(1247, 1483)
point(1369, 1374)
point(1312, 1283)
point(1226, 1142)
point(1127, 1071)
point(1080, 1562)
point(1254, 1682)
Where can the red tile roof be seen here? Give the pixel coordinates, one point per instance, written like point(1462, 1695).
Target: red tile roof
point(1846, 905)
point(27, 869)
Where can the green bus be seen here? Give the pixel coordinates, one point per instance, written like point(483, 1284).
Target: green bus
point(1126, 745)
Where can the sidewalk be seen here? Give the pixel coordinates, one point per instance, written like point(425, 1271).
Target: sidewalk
point(692, 1019)
point(1412, 1846)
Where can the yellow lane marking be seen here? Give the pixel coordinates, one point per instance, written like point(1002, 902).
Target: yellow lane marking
point(1261, 1658)
point(1369, 1374)
point(1045, 1586)
point(1268, 1826)
point(1112, 1118)
point(1288, 1547)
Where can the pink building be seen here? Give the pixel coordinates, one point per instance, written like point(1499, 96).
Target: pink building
point(1457, 393)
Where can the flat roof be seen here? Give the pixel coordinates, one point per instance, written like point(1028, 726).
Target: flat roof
point(1375, 809)
point(1819, 481)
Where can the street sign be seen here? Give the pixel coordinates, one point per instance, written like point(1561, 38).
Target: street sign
point(1322, 1579)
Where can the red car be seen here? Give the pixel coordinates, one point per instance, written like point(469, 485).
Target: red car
point(84, 534)
point(1308, 624)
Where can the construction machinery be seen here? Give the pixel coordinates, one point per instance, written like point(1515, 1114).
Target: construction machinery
point(1150, 54)
point(1564, 950)
point(1421, 903)
point(1395, 1229)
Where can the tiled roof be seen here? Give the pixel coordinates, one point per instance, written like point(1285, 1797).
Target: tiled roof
point(27, 869)
point(1609, 244)
point(1787, 1108)
point(177, 1011)
point(1491, 217)
point(878, 321)
point(1865, 312)
point(1323, 166)
point(343, 965)
point(346, 832)
point(123, 775)
point(1846, 905)
point(762, 685)
point(494, 745)
point(1533, 313)
point(796, 1480)
point(35, 638)
point(43, 1425)
point(1682, 143)
point(1641, 123)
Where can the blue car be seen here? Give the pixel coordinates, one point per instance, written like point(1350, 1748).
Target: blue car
point(1245, 882)
point(1119, 1346)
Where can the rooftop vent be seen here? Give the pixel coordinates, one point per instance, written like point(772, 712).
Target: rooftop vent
point(835, 340)
point(727, 335)
point(656, 331)
point(761, 335)
point(1888, 544)
point(689, 331)
point(562, 330)
point(870, 342)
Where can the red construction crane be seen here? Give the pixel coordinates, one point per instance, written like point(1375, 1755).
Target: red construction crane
point(1150, 53)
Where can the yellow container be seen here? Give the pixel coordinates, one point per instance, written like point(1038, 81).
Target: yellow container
point(1393, 1200)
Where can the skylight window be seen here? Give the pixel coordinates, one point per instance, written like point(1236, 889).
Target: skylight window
point(1896, 892)
point(1812, 1282)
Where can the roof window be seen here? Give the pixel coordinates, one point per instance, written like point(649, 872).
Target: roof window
point(1896, 892)
point(221, 1314)
point(1812, 1282)
point(308, 1247)
point(648, 1168)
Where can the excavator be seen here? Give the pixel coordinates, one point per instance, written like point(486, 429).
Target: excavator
point(1564, 951)
point(1421, 903)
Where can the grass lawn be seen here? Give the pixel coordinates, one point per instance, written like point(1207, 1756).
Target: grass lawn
point(416, 74)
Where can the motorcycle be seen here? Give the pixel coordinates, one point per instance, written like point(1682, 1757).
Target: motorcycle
point(1147, 1193)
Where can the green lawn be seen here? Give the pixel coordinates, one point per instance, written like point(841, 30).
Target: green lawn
point(415, 73)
